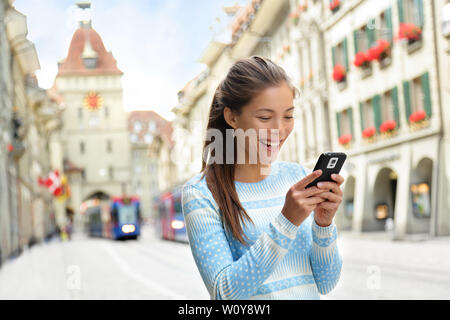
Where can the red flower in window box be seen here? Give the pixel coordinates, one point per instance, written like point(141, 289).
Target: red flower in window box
point(334, 5)
point(345, 139)
point(409, 31)
point(376, 52)
point(287, 48)
point(10, 147)
point(361, 59)
point(369, 132)
point(388, 125)
point(417, 116)
point(339, 73)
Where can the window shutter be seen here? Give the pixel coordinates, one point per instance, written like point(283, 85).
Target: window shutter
point(361, 115)
point(338, 122)
point(370, 30)
point(394, 97)
point(407, 97)
point(350, 115)
point(388, 17)
point(344, 48)
point(333, 56)
point(418, 6)
point(376, 103)
point(401, 15)
point(355, 39)
point(426, 93)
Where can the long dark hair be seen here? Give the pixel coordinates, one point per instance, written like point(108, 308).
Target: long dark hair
point(245, 79)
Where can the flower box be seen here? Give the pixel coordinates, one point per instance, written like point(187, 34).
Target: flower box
point(418, 120)
point(345, 140)
point(335, 5)
point(388, 125)
point(339, 73)
point(412, 34)
point(417, 116)
point(369, 132)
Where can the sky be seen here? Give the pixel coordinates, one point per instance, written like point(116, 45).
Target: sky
point(157, 43)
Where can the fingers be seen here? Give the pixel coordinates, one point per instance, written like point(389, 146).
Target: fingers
point(313, 200)
point(330, 196)
point(327, 205)
point(338, 178)
point(330, 186)
point(307, 180)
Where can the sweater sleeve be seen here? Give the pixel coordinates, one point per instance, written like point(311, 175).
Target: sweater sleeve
point(326, 261)
point(223, 277)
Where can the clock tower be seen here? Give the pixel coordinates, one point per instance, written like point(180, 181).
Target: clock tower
point(96, 148)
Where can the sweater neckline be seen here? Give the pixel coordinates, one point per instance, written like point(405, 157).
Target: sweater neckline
point(262, 183)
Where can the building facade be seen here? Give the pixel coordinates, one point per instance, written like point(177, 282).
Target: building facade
point(28, 118)
point(372, 82)
point(143, 127)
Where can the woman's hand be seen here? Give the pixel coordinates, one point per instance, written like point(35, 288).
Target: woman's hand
point(332, 194)
point(300, 202)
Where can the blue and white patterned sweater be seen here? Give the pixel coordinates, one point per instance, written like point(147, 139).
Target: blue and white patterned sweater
point(282, 261)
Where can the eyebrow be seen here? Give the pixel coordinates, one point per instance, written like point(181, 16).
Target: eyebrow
point(270, 110)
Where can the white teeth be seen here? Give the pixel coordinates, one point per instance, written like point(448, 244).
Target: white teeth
point(270, 144)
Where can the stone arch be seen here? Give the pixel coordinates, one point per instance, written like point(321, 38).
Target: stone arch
point(345, 218)
point(381, 214)
point(420, 197)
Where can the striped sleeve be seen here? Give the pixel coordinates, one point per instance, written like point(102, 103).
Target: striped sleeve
point(326, 261)
point(223, 277)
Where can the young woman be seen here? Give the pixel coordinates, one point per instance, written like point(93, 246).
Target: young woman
point(254, 231)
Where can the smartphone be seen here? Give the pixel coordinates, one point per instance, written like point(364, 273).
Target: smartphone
point(329, 163)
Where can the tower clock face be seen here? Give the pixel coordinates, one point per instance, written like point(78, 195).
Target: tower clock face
point(93, 101)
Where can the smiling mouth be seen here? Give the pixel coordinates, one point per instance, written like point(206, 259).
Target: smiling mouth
point(271, 144)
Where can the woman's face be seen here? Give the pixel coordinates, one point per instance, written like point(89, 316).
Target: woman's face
point(271, 116)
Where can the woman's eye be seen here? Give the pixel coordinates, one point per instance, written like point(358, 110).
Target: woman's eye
point(289, 117)
point(262, 118)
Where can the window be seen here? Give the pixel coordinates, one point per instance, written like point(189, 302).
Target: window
point(82, 147)
point(106, 110)
point(111, 173)
point(361, 40)
point(367, 114)
point(385, 31)
point(411, 11)
point(387, 111)
point(80, 113)
point(339, 54)
point(108, 146)
point(417, 95)
point(345, 122)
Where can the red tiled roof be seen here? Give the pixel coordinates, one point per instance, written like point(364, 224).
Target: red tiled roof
point(73, 64)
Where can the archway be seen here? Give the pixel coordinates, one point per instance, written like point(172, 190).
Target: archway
point(420, 192)
point(100, 195)
point(383, 204)
point(346, 216)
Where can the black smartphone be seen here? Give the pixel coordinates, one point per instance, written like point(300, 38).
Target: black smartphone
point(329, 163)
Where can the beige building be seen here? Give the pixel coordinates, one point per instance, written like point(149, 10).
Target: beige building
point(28, 118)
point(143, 128)
point(96, 148)
point(373, 86)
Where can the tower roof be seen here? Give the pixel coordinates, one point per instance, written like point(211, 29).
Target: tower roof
point(87, 43)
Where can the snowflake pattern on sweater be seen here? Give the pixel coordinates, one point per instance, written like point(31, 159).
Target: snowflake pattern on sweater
point(282, 261)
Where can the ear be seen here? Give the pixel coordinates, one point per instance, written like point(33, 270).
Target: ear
point(230, 117)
